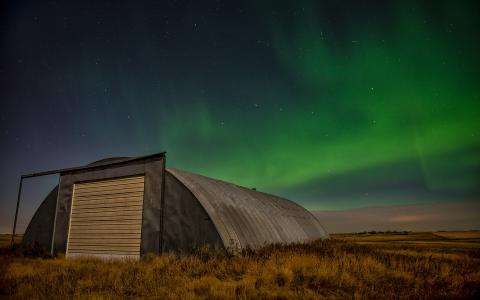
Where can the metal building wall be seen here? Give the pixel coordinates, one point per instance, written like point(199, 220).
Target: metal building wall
point(197, 211)
point(39, 230)
point(187, 225)
point(245, 218)
point(151, 219)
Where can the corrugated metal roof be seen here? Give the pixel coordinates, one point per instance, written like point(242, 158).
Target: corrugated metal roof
point(248, 218)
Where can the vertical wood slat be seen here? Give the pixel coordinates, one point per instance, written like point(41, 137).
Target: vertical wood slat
point(94, 206)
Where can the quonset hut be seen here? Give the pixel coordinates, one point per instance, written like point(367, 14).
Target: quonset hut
point(127, 207)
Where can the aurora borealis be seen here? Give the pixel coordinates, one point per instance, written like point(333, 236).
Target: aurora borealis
point(334, 104)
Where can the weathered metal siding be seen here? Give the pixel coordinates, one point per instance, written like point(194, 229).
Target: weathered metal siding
point(40, 228)
point(247, 218)
point(186, 223)
point(152, 169)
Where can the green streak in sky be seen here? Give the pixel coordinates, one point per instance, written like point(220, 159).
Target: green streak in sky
point(365, 100)
point(368, 96)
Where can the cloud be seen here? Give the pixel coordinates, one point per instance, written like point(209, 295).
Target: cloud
point(419, 217)
point(410, 218)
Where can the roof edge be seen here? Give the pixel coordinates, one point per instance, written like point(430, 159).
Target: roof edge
point(94, 166)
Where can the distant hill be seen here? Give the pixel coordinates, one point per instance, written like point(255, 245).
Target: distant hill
point(418, 217)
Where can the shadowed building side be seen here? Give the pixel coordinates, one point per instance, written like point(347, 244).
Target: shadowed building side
point(187, 225)
point(40, 228)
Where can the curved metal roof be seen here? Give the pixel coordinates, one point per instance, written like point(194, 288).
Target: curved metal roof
point(248, 218)
point(243, 217)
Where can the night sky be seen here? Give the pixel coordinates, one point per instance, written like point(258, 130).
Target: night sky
point(333, 104)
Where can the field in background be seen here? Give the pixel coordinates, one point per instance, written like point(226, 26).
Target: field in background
point(442, 239)
point(6, 240)
point(370, 265)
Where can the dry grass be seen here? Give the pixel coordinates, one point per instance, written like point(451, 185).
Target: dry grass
point(339, 268)
point(460, 235)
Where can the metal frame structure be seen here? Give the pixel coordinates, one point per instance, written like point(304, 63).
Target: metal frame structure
point(66, 170)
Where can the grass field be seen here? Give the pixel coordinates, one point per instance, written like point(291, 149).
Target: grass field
point(435, 265)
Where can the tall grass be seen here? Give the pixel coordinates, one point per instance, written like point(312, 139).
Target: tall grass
point(321, 269)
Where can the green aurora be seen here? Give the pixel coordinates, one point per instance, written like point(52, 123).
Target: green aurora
point(357, 103)
point(334, 105)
